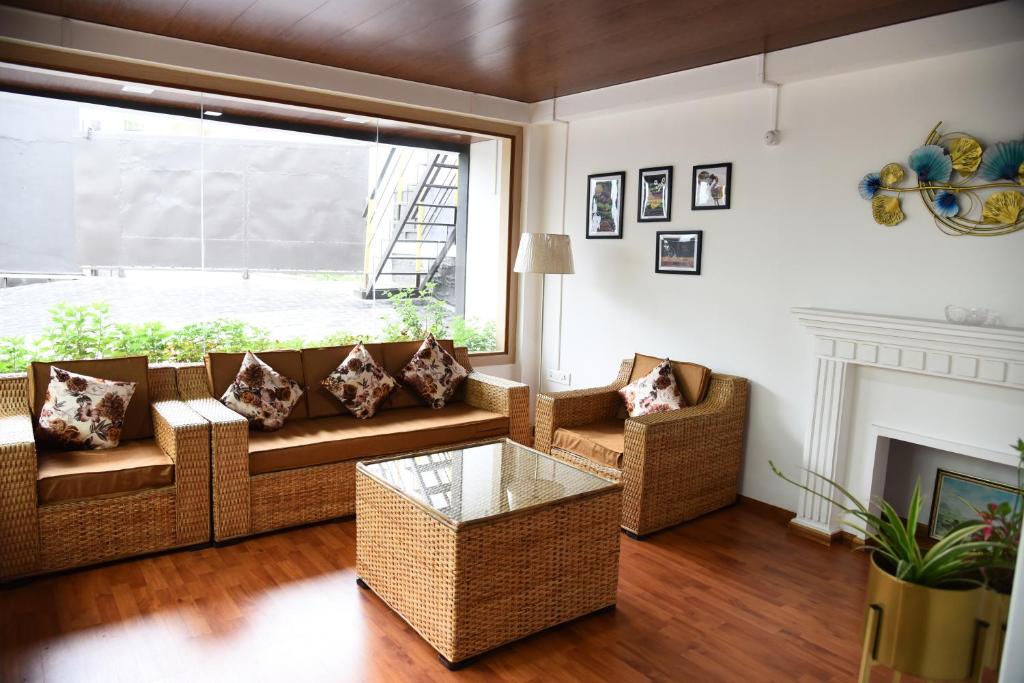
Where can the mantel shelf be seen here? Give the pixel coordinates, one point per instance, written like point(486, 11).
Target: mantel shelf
point(990, 355)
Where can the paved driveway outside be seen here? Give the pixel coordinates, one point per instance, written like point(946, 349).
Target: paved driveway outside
point(287, 305)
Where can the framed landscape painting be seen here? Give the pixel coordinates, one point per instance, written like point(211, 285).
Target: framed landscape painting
point(604, 205)
point(655, 201)
point(678, 252)
point(712, 186)
point(958, 495)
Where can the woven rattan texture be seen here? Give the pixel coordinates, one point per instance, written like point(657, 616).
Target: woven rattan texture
point(677, 465)
point(244, 505)
point(402, 552)
point(498, 395)
point(577, 407)
point(586, 464)
point(76, 533)
point(463, 594)
point(88, 531)
point(301, 496)
point(229, 455)
point(19, 529)
point(185, 436)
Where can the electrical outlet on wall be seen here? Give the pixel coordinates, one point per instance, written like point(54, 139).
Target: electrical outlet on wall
point(559, 377)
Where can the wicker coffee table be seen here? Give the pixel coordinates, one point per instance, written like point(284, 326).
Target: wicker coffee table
point(481, 545)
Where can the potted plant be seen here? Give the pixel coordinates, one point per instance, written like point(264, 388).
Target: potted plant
point(923, 604)
point(1002, 523)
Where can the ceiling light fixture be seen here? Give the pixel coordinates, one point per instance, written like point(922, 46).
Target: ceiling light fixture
point(140, 89)
point(352, 118)
point(213, 113)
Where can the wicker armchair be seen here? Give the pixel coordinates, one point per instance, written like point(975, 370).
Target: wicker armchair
point(247, 502)
point(40, 536)
point(674, 466)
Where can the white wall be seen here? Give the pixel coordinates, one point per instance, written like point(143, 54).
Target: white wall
point(798, 234)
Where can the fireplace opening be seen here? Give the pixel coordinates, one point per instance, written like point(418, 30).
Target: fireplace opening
point(965, 482)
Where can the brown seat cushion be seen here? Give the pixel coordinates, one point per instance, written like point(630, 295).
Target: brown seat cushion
point(222, 368)
point(317, 364)
point(66, 475)
point(600, 442)
point(693, 379)
point(138, 419)
point(319, 441)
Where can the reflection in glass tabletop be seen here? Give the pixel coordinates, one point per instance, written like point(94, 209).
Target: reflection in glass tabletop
point(480, 481)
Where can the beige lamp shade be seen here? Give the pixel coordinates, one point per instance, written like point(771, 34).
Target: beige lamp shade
point(541, 252)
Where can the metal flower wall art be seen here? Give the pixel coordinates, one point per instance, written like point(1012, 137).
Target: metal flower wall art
point(952, 170)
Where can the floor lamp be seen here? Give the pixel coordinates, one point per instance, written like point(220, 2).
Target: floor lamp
point(546, 254)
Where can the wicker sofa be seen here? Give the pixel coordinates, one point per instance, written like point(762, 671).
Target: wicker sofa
point(65, 509)
point(675, 465)
point(305, 472)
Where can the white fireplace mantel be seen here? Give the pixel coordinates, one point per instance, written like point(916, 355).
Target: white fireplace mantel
point(983, 355)
point(993, 355)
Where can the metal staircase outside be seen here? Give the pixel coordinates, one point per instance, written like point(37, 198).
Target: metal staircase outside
point(412, 218)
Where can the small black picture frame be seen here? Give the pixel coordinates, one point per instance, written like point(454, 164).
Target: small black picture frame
point(654, 195)
point(678, 252)
point(605, 197)
point(712, 187)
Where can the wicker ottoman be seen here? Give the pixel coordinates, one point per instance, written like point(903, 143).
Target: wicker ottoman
point(486, 544)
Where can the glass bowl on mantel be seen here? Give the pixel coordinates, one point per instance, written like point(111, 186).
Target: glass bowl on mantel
point(962, 315)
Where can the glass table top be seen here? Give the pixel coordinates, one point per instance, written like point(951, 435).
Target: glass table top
point(480, 481)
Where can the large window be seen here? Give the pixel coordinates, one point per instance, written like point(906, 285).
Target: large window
point(172, 223)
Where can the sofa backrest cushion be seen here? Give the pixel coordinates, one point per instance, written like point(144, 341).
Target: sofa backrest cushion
point(138, 419)
point(222, 368)
point(317, 364)
point(693, 379)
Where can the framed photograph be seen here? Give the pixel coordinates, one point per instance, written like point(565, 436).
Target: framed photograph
point(655, 201)
point(956, 493)
point(604, 205)
point(678, 252)
point(712, 186)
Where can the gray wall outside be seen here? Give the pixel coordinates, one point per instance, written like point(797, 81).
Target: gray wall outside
point(128, 199)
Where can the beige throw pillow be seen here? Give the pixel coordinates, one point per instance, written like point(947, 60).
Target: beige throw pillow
point(433, 373)
point(360, 383)
point(83, 412)
point(655, 392)
point(261, 395)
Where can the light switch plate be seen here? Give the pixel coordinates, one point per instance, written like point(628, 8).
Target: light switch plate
point(559, 377)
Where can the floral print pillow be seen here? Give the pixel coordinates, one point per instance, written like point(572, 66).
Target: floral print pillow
point(360, 383)
point(83, 412)
point(433, 373)
point(656, 392)
point(261, 394)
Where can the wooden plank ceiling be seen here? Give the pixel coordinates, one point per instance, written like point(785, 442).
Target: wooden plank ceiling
point(526, 50)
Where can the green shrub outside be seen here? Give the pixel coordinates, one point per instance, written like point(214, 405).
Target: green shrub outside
point(87, 331)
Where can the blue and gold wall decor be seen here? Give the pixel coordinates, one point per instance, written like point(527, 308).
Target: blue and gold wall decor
point(967, 189)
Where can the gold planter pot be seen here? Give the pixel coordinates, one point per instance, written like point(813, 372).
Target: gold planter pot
point(995, 610)
point(931, 633)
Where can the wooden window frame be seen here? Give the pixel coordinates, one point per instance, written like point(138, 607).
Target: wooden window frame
point(81, 62)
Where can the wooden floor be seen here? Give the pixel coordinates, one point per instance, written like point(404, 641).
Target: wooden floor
point(730, 597)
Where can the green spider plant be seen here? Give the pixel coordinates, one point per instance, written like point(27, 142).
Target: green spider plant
point(953, 560)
